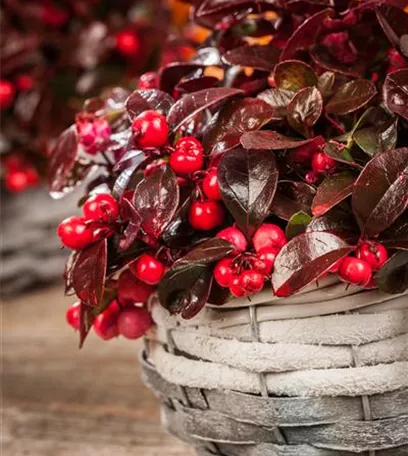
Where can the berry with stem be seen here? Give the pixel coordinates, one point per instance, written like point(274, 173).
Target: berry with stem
point(374, 253)
point(101, 207)
point(206, 215)
point(150, 129)
point(148, 269)
point(355, 271)
point(134, 322)
point(224, 272)
point(211, 187)
point(75, 233)
point(187, 157)
point(235, 237)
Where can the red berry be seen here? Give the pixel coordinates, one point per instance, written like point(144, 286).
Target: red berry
point(302, 155)
point(16, 181)
point(187, 157)
point(251, 281)
point(74, 233)
point(396, 59)
point(106, 324)
point(7, 93)
point(33, 178)
point(235, 237)
point(134, 322)
point(236, 288)
point(150, 129)
point(265, 260)
point(356, 271)
point(335, 267)
point(24, 82)
point(148, 269)
point(206, 215)
point(73, 315)
point(269, 235)
point(53, 16)
point(131, 289)
point(373, 253)
point(223, 272)
point(101, 207)
point(128, 43)
point(149, 80)
point(311, 177)
point(322, 163)
point(210, 185)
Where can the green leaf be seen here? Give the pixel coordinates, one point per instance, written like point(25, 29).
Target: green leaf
point(297, 224)
point(294, 75)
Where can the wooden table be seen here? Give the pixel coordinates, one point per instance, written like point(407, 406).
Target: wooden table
point(59, 401)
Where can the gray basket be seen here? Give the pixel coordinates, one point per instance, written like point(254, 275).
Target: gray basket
point(255, 381)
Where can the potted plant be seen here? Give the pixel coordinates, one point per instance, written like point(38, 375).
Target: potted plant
point(254, 207)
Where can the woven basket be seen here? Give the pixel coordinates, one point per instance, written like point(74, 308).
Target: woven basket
point(322, 373)
point(30, 251)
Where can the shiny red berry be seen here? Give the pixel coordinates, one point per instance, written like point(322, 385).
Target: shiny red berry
point(188, 156)
point(106, 324)
point(322, 163)
point(373, 253)
point(7, 93)
point(251, 281)
point(265, 260)
point(311, 177)
point(24, 82)
point(206, 215)
point(355, 271)
point(134, 322)
point(101, 207)
point(74, 233)
point(210, 185)
point(269, 235)
point(131, 290)
point(224, 272)
point(128, 43)
point(16, 181)
point(149, 80)
point(150, 129)
point(148, 269)
point(396, 59)
point(236, 287)
point(235, 237)
point(302, 155)
point(73, 315)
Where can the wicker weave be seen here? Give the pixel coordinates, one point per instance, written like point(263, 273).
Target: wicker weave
point(253, 380)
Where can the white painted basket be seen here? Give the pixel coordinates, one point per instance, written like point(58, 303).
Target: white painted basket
point(322, 373)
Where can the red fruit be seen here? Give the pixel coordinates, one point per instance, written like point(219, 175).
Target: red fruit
point(302, 155)
point(24, 82)
point(236, 288)
point(265, 260)
point(322, 163)
point(373, 253)
point(74, 233)
point(73, 315)
point(148, 269)
point(251, 281)
point(333, 269)
point(269, 235)
point(396, 59)
point(16, 181)
point(131, 289)
point(134, 322)
point(356, 271)
point(224, 272)
point(33, 178)
point(150, 129)
point(106, 324)
point(101, 207)
point(187, 157)
point(210, 185)
point(149, 80)
point(7, 93)
point(206, 215)
point(128, 43)
point(53, 16)
point(311, 177)
point(235, 237)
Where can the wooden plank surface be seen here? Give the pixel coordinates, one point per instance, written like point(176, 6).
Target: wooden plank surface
point(59, 401)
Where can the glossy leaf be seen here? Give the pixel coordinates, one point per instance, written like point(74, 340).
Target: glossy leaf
point(305, 258)
point(297, 224)
point(351, 96)
point(377, 138)
point(156, 199)
point(380, 193)
point(89, 272)
point(325, 83)
point(337, 222)
point(130, 159)
point(278, 100)
point(129, 214)
point(86, 319)
point(332, 191)
point(292, 197)
point(136, 104)
point(294, 75)
point(227, 126)
point(395, 92)
point(323, 58)
point(208, 252)
point(393, 20)
point(339, 152)
point(305, 109)
point(179, 232)
point(255, 56)
point(172, 74)
point(248, 180)
point(396, 236)
point(192, 104)
point(393, 275)
point(270, 140)
point(195, 84)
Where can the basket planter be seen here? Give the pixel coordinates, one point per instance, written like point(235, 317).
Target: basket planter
point(30, 251)
point(320, 373)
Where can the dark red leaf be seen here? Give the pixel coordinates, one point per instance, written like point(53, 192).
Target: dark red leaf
point(305, 258)
point(292, 197)
point(226, 128)
point(270, 140)
point(156, 199)
point(130, 159)
point(380, 193)
point(142, 100)
point(395, 92)
point(88, 275)
point(322, 57)
point(393, 275)
point(86, 320)
point(208, 252)
point(278, 100)
point(195, 84)
point(351, 96)
point(396, 236)
point(332, 191)
point(325, 83)
point(305, 109)
point(255, 56)
point(248, 180)
point(130, 214)
point(172, 74)
point(294, 75)
point(394, 22)
point(192, 104)
point(337, 222)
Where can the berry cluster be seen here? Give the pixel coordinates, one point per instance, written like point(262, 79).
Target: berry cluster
point(19, 174)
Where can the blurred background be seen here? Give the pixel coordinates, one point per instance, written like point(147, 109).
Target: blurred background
point(54, 55)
